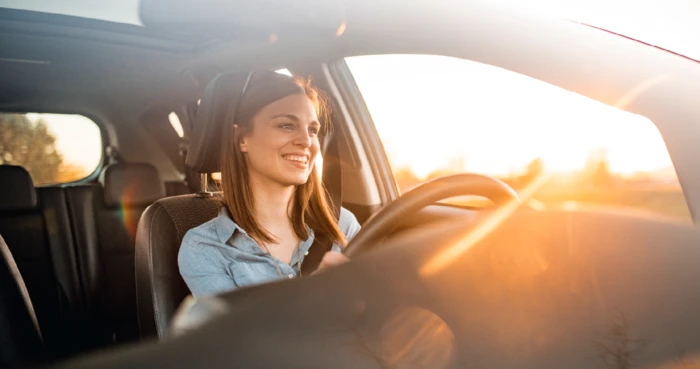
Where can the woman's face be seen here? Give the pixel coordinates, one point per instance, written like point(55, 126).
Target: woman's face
point(283, 142)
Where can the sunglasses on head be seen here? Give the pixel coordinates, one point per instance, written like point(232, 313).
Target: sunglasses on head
point(247, 83)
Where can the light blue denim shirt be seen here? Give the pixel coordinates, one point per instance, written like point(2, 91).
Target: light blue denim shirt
point(219, 256)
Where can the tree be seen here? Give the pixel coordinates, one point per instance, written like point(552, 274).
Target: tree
point(534, 169)
point(405, 178)
point(598, 168)
point(30, 145)
point(618, 348)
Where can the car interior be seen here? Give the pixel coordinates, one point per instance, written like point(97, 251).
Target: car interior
point(74, 243)
point(91, 266)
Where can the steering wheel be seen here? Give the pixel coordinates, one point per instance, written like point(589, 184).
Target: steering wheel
point(383, 222)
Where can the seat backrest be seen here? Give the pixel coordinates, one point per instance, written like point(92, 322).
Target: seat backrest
point(159, 285)
point(105, 221)
point(20, 338)
point(36, 227)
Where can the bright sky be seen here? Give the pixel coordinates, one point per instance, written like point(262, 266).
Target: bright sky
point(493, 121)
point(433, 112)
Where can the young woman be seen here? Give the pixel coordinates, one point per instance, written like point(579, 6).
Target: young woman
point(274, 201)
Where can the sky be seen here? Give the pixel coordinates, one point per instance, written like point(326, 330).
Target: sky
point(434, 111)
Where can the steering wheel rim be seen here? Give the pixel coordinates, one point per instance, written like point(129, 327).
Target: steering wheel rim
point(463, 184)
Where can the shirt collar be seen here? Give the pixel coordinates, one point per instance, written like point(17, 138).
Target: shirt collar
point(225, 226)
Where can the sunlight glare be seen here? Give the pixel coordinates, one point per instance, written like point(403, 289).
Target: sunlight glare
point(447, 256)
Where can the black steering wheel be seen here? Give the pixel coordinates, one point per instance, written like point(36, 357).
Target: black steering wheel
point(383, 222)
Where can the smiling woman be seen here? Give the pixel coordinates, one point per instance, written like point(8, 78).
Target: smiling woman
point(275, 211)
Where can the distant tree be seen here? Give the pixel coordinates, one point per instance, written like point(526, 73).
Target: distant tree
point(69, 173)
point(598, 168)
point(439, 173)
point(618, 348)
point(30, 145)
point(405, 178)
point(533, 170)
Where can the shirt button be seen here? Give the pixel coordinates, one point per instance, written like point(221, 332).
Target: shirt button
point(291, 276)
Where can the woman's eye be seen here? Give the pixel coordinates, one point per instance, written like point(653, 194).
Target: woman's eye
point(287, 126)
point(313, 130)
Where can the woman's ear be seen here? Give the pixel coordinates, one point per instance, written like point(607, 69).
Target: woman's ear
point(242, 145)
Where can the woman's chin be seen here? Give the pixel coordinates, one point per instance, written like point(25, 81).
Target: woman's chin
point(295, 181)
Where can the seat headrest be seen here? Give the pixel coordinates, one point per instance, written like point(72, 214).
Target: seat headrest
point(16, 189)
point(203, 154)
point(132, 184)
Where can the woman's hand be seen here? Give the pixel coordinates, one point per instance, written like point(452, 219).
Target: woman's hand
point(330, 259)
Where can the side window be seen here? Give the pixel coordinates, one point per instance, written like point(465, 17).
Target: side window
point(438, 115)
point(54, 148)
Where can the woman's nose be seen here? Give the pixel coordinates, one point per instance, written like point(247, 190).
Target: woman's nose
point(303, 138)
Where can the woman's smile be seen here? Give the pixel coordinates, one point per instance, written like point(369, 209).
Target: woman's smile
point(300, 161)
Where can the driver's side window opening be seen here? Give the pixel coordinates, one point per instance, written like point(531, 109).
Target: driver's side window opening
point(438, 115)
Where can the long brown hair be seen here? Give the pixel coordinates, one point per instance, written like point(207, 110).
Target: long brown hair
point(310, 205)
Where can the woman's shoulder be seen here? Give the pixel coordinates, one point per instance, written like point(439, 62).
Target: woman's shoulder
point(194, 243)
point(346, 216)
point(202, 233)
point(347, 222)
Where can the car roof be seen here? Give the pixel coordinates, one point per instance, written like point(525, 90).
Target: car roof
point(121, 11)
point(59, 62)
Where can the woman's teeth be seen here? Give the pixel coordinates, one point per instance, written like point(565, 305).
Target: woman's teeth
point(300, 159)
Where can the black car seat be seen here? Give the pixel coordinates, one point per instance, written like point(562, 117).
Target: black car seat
point(159, 286)
point(106, 217)
point(36, 226)
point(20, 338)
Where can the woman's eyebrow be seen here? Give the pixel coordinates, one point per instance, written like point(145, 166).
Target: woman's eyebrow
point(288, 116)
point(294, 118)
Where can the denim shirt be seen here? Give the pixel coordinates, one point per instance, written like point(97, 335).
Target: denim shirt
point(219, 256)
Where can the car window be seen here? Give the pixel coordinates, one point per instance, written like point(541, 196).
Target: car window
point(54, 148)
point(439, 115)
